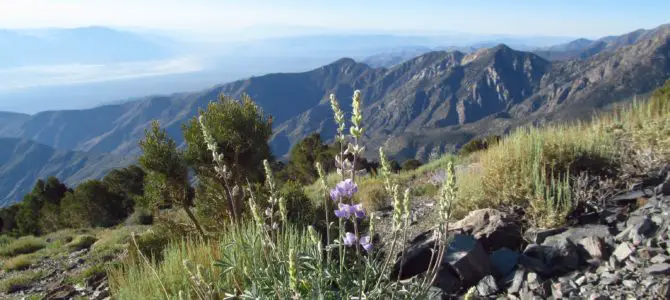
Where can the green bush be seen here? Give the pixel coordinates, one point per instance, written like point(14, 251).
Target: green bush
point(18, 263)
point(23, 245)
point(372, 194)
point(300, 209)
point(5, 240)
point(478, 144)
point(411, 164)
point(80, 242)
point(140, 216)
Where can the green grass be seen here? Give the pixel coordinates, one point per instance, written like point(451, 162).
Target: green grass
point(87, 273)
point(239, 250)
point(5, 240)
point(114, 240)
point(80, 242)
point(23, 245)
point(18, 263)
point(16, 282)
point(135, 279)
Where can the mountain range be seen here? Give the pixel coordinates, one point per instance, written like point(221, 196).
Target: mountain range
point(429, 104)
point(22, 161)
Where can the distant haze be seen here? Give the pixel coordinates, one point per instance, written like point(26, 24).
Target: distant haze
point(591, 18)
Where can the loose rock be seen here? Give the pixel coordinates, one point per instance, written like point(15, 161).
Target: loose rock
point(487, 286)
point(623, 251)
point(658, 269)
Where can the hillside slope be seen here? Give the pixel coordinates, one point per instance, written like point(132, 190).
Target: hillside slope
point(22, 162)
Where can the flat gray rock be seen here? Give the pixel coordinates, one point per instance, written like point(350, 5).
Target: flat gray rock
point(658, 269)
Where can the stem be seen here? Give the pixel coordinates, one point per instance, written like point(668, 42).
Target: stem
point(326, 199)
point(388, 259)
point(231, 204)
point(404, 236)
point(185, 205)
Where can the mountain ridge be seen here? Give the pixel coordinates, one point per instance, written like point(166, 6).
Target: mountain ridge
point(23, 161)
point(429, 104)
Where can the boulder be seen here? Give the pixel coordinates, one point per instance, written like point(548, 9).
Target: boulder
point(538, 235)
point(554, 257)
point(417, 257)
point(493, 228)
point(467, 257)
point(576, 234)
point(504, 261)
point(464, 263)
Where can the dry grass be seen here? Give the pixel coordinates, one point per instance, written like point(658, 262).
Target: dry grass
point(18, 263)
point(371, 194)
point(534, 168)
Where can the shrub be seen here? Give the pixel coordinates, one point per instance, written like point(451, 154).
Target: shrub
point(18, 282)
point(5, 240)
point(299, 206)
point(141, 216)
point(411, 164)
point(372, 194)
point(478, 144)
point(18, 263)
point(303, 157)
point(150, 244)
point(23, 245)
point(82, 242)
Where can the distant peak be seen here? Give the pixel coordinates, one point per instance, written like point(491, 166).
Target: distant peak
point(345, 61)
point(501, 47)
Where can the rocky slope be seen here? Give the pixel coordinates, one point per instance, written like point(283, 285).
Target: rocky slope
point(621, 250)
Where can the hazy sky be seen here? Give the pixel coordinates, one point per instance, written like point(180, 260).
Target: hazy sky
point(589, 18)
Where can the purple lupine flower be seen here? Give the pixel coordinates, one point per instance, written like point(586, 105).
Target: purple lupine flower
point(359, 211)
point(344, 211)
point(348, 188)
point(344, 189)
point(335, 194)
point(349, 239)
point(366, 243)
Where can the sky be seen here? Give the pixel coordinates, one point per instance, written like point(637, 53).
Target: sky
point(574, 18)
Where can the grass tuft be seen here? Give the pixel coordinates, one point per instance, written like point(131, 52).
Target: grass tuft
point(19, 263)
point(23, 245)
point(18, 282)
point(80, 242)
